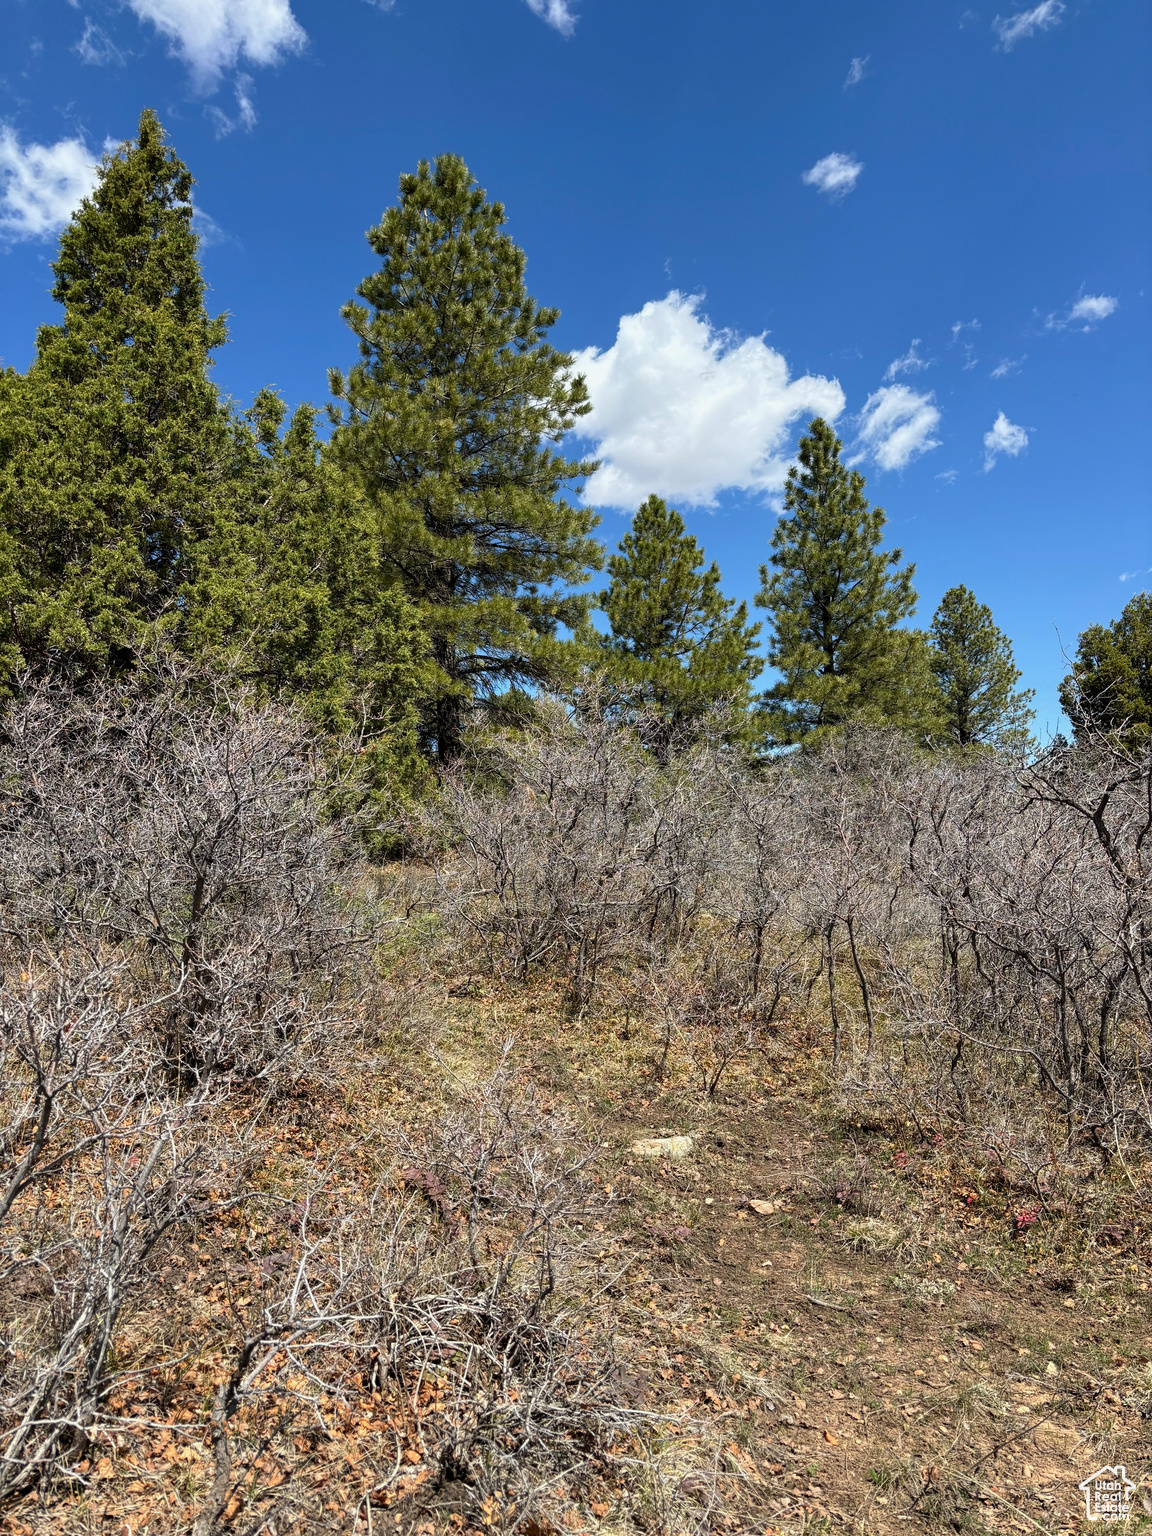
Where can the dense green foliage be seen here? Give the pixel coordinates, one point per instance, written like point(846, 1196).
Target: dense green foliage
point(445, 429)
point(835, 600)
point(676, 642)
point(1110, 685)
point(115, 452)
point(977, 676)
point(136, 509)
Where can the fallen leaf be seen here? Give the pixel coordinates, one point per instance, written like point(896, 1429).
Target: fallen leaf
point(831, 1438)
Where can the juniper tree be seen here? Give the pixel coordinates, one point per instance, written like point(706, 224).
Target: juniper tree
point(974, 668)
point(1110, 686)
point(835, 600)
point(114, 446)
point(446, 425)
point(675, 639)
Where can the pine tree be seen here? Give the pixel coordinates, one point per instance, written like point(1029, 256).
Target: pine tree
point(324, 625)
point(836, 600)
point(114, 445)
point(1110, 686)
point(675, 640)
point(977, 675)
point(444, 427)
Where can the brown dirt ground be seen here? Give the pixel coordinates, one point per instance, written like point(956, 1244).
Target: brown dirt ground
point(881, 1350)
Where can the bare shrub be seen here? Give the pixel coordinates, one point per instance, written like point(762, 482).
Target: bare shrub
point(99, 1161)
point(463, 1299)
point(172, 819)
point(574, 851)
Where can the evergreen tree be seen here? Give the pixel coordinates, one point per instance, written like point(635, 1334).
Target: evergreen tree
point(445, 425)
point(114, 446)
point(977, 675)
point(836, 600)
point(324, 624)
point(675, 639)
point(1110, 686)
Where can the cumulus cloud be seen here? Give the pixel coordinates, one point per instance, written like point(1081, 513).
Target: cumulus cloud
point(41, 185)
point(212, 36)
point(1008, 365)
point(836, 175)
point(911, 362)
point(1005, 437)
point(684, 410)
point(896, 426)
point(856, 71)
point(1011, 29)
point(556, 14)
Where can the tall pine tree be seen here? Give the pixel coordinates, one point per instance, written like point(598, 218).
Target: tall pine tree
point(1110, 686)
point(835, 600)
point(114, 447)
point(445, 425)
point(973, 665)
point(675, 640)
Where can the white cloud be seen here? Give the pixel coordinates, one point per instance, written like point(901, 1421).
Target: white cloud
point(896, 426)
point(911, 362)
point(948, 476)
point(1010, 29)
point(96, 47)
point(1135, 575)
point(1092, 307)
point(836, 175)
point(684, 410)
point(1084, 313)
point(1004, 437)
point(245, 110)
point(41, 185)
point(213, 35)
point(856, 71)
point(964, 325)
point(1008, 365)
point(556, 14)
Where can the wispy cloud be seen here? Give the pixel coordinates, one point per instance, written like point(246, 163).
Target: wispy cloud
point(856, 71)
point(556, 14)
point(1004, 437)
point(684, 410)
point(966, 347)
point(896, 426)
point(1084, 312)
point(212, 36)
point(836, 175)
point(96, 47)
point(41, 185)
point(1008, 365)
point(245, 110)
point(1135, 575)
point(948, 476)
point(1012, 29)
point(911, 362)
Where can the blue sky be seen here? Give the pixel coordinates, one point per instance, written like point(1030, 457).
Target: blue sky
point(928, 218)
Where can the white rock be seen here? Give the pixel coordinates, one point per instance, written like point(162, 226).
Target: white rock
point(662, 1146)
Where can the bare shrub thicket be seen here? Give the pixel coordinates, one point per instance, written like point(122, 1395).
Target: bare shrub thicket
point(463, 1296)
point(975, 929)
point(183, 934)
point(170, 928)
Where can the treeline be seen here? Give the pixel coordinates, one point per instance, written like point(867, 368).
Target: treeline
point(424, 565)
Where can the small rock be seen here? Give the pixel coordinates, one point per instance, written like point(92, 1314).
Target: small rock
point(1051, 1369)
point(662, 1146)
